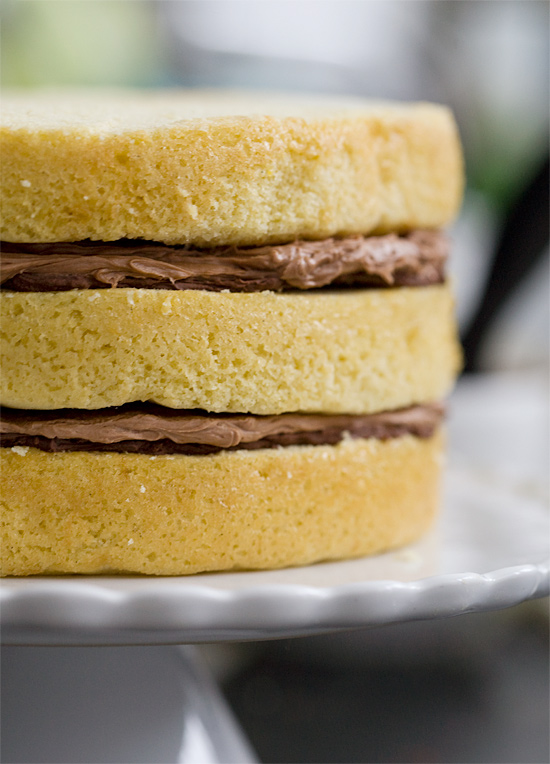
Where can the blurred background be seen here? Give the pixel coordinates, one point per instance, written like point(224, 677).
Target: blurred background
point(473, 689)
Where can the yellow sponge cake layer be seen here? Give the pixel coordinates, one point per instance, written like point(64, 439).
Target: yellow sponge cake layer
point(265, 353)
point(213, 168)
point(168, 515)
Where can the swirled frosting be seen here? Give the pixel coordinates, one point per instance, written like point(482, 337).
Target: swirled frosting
point(415, 259)
point(153, 429)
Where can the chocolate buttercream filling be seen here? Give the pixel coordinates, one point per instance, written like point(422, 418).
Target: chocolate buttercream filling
point(152, 429)
point(414, 259)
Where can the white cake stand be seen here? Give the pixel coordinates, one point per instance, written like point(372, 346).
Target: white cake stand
point(490, 550)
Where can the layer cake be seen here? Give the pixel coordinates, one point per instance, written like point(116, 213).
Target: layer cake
point(226, 328)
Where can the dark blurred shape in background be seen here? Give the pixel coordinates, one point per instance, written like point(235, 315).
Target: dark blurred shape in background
point(522, 243)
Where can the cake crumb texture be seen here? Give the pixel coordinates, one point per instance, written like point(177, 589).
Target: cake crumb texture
point(355, 352)
point(209, 168)
point(86, 513)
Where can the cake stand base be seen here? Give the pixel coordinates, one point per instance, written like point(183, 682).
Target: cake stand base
point(115, 704)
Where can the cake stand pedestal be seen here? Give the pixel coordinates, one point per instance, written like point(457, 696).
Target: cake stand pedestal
point(115, 704)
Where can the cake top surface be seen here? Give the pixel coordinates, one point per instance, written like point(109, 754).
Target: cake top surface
point(117, 111)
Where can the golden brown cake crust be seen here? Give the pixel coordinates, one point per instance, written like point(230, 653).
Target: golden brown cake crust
point(174, 515)
point(354, 352)
point(211, 168)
